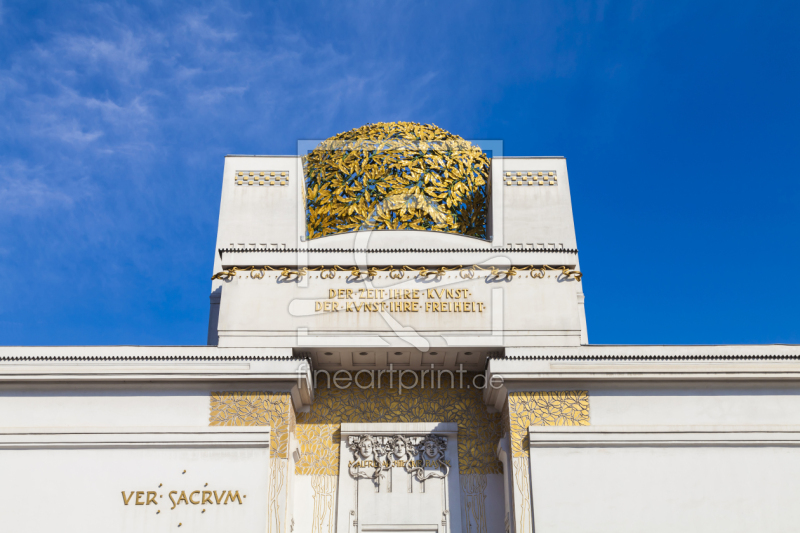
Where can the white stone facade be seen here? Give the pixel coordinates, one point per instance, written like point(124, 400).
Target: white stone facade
point(568, 437)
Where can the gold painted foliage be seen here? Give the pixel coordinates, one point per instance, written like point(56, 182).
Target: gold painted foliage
point(318, 431)
point(557, 408)
point(256, 409)
point(396, 175)
point(319, 446)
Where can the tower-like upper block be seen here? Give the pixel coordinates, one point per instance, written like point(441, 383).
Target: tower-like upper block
point(478, 311)
point(263, 220)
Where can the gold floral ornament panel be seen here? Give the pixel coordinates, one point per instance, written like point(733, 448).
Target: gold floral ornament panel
point(256, 409)
point(318, 431)
point(396, 175)
point(557, 408)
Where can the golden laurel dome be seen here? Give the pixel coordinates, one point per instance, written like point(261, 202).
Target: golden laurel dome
point(396, 175)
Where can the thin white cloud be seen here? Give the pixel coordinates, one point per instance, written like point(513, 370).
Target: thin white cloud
point(126, 122)
point(68, 131)
point(213, 95)
point(125, 54)
point(27, 190)
point(197, 24)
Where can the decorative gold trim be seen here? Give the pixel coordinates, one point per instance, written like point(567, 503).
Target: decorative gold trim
point(256, 409)
point(473, 498)
point(533, 177)
point(261, 177)
point(278, 472)
point(522, 487)
point(466, 272)
point(324, 487)
point(556, 408)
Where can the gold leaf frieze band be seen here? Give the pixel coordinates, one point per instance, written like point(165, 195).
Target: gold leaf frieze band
point(256, 409)
point(556, 408)
point(466, 272)
point(318, 430)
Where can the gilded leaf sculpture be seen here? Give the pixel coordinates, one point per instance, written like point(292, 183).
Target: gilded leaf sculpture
point(396, 175)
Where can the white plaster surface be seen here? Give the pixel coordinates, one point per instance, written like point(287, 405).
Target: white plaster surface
point(535, 214)
point(493, 504)
point(62, 485)
point(311, 512)
point(696, 404)
point(121, 405)
point(665, 479)
point(77, 406)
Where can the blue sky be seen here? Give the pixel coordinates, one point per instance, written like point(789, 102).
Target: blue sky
point(679, 121)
